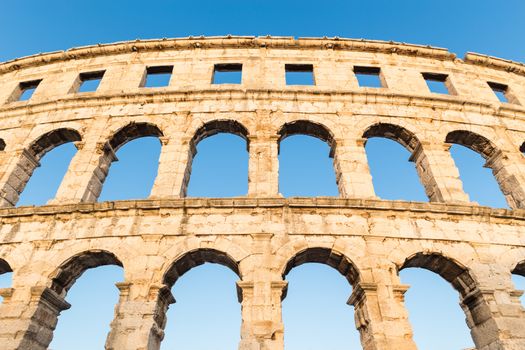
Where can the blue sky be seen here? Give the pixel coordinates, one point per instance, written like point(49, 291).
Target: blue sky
point(207, 315)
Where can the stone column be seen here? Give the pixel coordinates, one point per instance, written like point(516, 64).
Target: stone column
point(140, 317)
point(19, 168)
point(381, 317)
point(494, 312)
point(511, 179)
point(351, 169)
point(263, 166)
point(438, 173)
point(496, 319)
point(174, 167)
point(86, 173)
point(262, 326)
point(28, 317)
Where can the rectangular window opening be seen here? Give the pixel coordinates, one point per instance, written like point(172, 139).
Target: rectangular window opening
point(227, 73)
point(369, 76)
point(26, 89)
point(90, 81)
point(437, 83)
point(501, 91)
point(299, 74)
point(158, 76)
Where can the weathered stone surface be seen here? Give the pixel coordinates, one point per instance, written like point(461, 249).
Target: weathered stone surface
point(261, 236)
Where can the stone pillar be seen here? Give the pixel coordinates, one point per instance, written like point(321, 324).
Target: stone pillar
point(438, 173)
point(351, 169)
point(19, 168)
point(511, 180)
point(86, 173)
point(262, 326)
point(496, 319)
point(492, 306)
point(263, 166)
point(174, 167)
point(140, 317)
point(381, 317)
point(28, 318)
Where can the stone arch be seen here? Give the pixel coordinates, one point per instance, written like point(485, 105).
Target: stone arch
point(132, 131)
point(206, 130)
point(472, 300)
point(522, 147)
point(519, 269)
point(319, 131)
point(196, 258)
point(451, 270)
point(494, 157)
point(412, 144)
point(50, 302)
point(342, 264)
point(182, 264)
point(70, 270)
point(29, 160)
point(214, 127)
point(401, 135)
point(309, 128)
point(52, 139)
point(325, 256)
point(476, 142)
point(4, 267)
point(108, 149)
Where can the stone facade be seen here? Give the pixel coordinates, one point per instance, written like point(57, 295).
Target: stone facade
point(262, 236)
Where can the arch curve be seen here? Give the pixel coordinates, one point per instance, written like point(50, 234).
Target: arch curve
point(309, 128)
point(519, 269)
point(71, 269)
point(214, 127)
point(452, 271)
point(325, 256)
point(29, 160)
point(133, 131)
point(496, 160)
point(52, 139)
point(476, 142)
point(393, 132)
point(195, 258)
point(206, 130)
point(4, 267)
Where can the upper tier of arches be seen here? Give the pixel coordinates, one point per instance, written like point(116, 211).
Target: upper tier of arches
point(426, 141)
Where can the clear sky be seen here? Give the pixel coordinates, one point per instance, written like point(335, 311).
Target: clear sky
point(207, 315)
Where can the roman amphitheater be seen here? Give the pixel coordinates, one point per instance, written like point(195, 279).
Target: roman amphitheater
point(262, 236)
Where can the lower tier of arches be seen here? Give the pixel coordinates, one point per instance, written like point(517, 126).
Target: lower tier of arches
point(155, 243)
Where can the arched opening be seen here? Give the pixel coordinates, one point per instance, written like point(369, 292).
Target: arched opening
point(390, 149)
point(436, 320)
point(6, 275)
point(218, 161)
point(87, 282)
point(42, 167)
point(315, 311)
point(306, 166)
point(207, 303)
point(133, 153)
point(518, 278)
point(472, 153)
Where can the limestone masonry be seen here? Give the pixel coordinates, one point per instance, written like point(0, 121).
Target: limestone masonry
point(262, 236)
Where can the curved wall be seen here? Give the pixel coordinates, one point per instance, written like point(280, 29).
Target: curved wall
point(262, 236)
